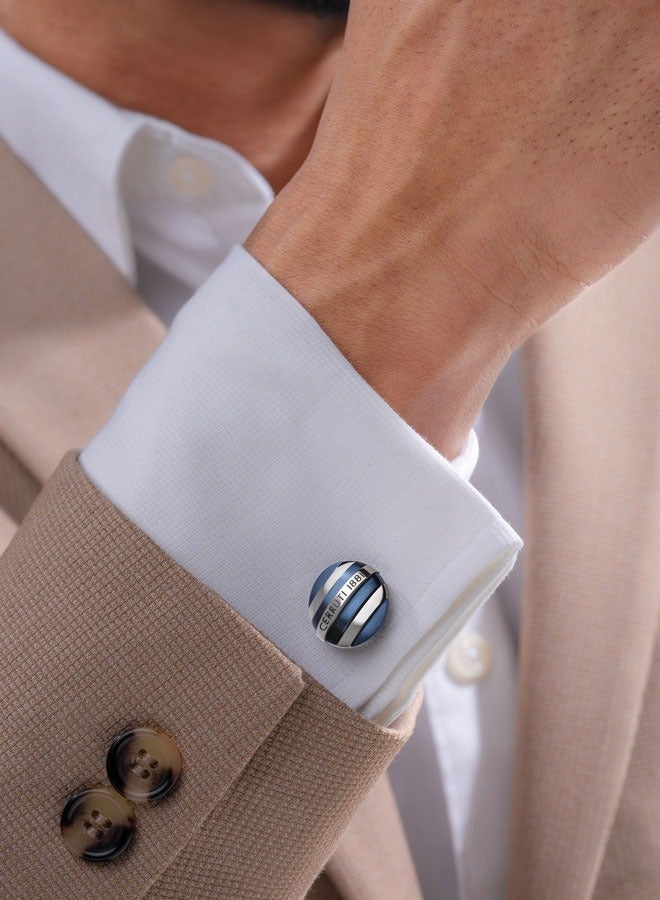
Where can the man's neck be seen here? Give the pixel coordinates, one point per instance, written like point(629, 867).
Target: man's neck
point(254, 76)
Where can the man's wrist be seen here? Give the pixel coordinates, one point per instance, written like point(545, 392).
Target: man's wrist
point(423, 336)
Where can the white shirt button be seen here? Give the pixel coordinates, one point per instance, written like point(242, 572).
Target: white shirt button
point(190, 177)
point(469, 658)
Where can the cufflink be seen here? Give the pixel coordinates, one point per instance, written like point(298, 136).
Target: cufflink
point(348, 604)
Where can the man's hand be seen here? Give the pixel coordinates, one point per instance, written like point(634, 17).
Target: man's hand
point(477, 164)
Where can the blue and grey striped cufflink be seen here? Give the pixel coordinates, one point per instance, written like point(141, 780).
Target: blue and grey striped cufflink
point(348, 604)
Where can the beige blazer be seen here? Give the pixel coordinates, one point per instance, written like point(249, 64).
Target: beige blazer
point(101, 630)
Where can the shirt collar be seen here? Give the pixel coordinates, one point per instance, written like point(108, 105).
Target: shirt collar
point(128, 179)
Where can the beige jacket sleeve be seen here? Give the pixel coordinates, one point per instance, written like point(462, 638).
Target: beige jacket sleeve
point(103, 631)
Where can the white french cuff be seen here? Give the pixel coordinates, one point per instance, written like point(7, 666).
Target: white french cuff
point(250, 450)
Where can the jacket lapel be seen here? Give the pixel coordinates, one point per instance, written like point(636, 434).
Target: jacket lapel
point(60, 379)
point(591, 596)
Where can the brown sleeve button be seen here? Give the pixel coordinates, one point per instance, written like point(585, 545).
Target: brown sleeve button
point(143, 764)
point(97, 824)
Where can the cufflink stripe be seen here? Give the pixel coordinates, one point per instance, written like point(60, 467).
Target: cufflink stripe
point(373, 624)
point(352, 631)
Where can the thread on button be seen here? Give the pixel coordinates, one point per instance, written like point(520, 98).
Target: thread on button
point(98, 826)
point(140, 766)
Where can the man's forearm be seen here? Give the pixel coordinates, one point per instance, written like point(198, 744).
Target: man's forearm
point(466, 182)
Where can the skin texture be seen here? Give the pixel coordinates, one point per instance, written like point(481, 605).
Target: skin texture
point(477, 162)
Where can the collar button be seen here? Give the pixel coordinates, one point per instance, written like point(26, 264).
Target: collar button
point(190, 177)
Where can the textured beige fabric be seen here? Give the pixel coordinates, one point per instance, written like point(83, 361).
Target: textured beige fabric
point(73, 333)
point(631, 864)
point(18, 488)
point(323, 889)
point(7, 530)
point(101, 630)
point(592, 591)
point(372, 860)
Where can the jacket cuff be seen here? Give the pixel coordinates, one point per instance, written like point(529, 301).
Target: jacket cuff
point(104, 632)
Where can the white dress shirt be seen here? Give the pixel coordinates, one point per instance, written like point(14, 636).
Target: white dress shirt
point(251, 451)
